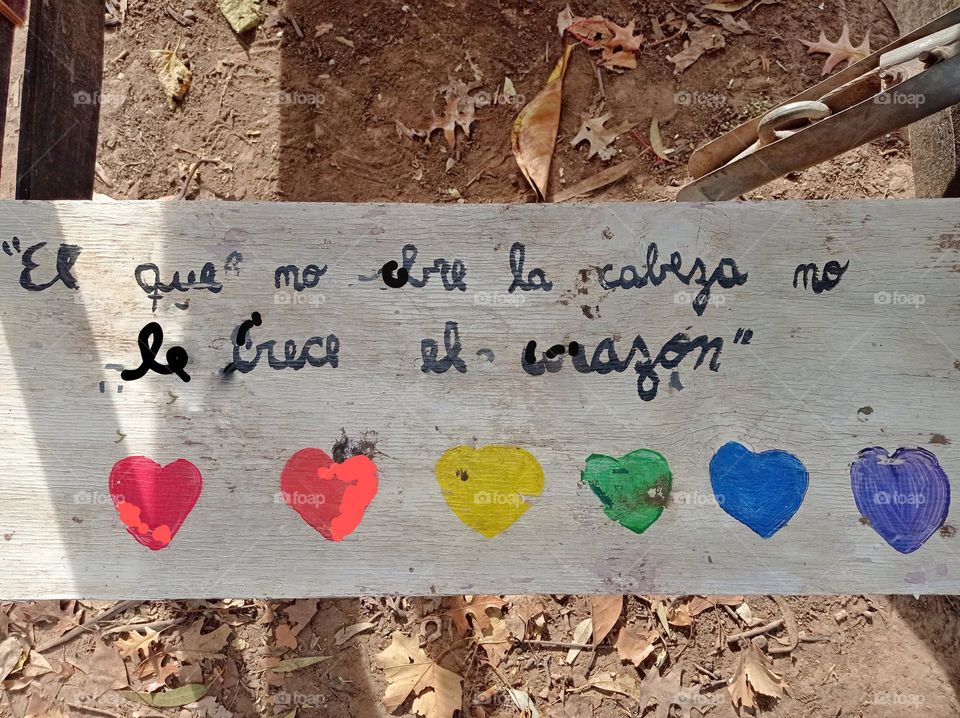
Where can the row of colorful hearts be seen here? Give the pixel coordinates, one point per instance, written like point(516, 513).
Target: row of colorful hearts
point(904, 497)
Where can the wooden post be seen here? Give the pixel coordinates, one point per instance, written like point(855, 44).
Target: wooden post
point(61, 100)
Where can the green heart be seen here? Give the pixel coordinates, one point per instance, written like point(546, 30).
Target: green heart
point(634, 488)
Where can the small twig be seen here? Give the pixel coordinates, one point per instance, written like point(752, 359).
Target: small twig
point(815, 639)
point(706, 671)
point(730, 612)
point(154, 626)
point(560, 645)
point(755, 631)
point(70, 635)
point(790, 623)
point(194, 166)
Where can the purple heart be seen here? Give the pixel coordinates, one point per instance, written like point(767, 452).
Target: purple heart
point(906, 496)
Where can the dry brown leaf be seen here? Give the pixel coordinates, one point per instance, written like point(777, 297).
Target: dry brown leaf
point(495, 641)
point(727, 6)
point(155, 673)
point(409, 670)
point(601, 138)
point(754, 675)
point(301, 612)
point(840, 50)
point(667, 692)
point(656, 143)
point(41, 707)
point(522, 610)
point(534, 131)
point(461, 609)
point(243, 15)
point(564, 20)
point(348, 632)
point(105, 670)
point(623, 683)
point(284, 638)
point(459, 111)
point(581, 634)
point(737, 27)
point(195, 645)
point(605, 611)
point(11, 651)
point(635, 647)
point(137, 643)
point(175, 77)
point(703, 40)
point(618, 44)
point(600, 180)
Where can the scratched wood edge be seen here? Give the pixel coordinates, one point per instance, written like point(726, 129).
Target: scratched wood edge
point(60, 112)
point(566, 530)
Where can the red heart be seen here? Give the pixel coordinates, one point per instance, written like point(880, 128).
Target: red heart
point(331, 497)
point(153, 500)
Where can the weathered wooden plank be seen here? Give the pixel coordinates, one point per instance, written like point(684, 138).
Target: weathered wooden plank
point(871, 360)
point(61, 100)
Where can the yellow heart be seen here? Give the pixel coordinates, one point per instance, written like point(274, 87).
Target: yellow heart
point(486, 487)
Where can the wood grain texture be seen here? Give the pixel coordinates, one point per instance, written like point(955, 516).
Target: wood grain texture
point(59, 121)
point(825, 376)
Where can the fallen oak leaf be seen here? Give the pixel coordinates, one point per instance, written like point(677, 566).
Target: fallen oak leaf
point(459, 111)
point(301, 612)
point(592, 130)
point(727, 6)
point(437, 692)
point(618, 44)
point(754, 675)
point(137, 644)
point(707, 38)
point(195, 645)
point(461, 609)
point(495, 641)
point(534, 132)
point(840, 50)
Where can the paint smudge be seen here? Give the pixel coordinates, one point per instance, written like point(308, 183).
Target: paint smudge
point(329, 496)
point(153, 501)
point(633, 489)
point(906, 496)
point(762, 491)
point(487, 487)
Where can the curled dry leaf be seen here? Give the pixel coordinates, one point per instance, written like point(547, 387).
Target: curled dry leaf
point(196, 645)
point(409, 670)
point(11, 653)
point(300, 613)
point(635, 647)
point(754, 675)
point(840, 50)
point(476, 607)
point(604, 612)
point(535, 129)
point(105, 670)
point(348, 632)
point(495, 641)
point(168, 699)
point(295, 664)
point(727, 6)
point(175, 77)
point(709, 37)
point(657, 143)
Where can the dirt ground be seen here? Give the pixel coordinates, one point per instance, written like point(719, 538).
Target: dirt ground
point(306, 108)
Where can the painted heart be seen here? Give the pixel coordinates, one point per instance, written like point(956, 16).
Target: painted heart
point(153, 501)
point(906, 497)
point(487, 487)
point(633, 489)
point(331, 497)
point(762, 491)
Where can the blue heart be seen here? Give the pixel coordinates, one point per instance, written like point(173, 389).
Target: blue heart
point(762, 491)
point(906, 496)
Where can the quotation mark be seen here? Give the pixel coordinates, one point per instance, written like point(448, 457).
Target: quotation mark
point(743, 336)
point(6, 246)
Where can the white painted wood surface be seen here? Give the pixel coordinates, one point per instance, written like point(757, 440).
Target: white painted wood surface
point(814, 362)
